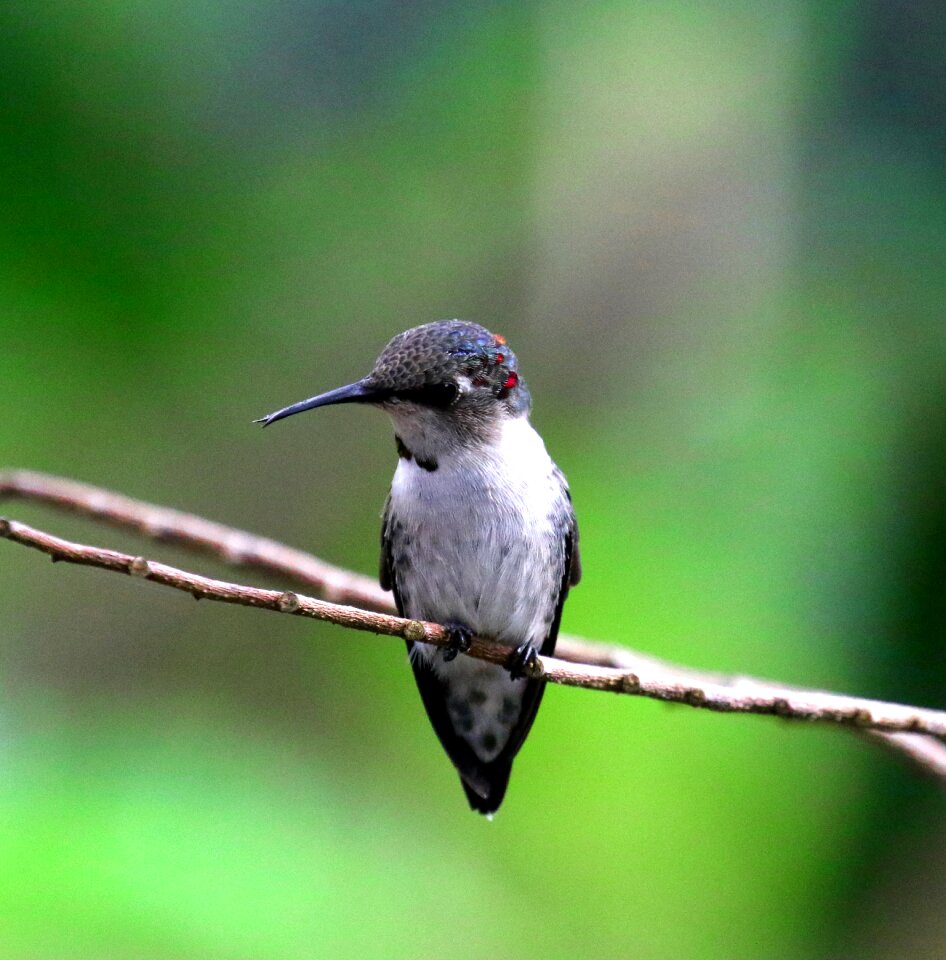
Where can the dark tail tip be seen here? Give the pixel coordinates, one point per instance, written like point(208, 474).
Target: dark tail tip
point(490, 789)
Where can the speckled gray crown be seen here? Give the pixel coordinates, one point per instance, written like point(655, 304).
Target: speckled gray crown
point(438, 352)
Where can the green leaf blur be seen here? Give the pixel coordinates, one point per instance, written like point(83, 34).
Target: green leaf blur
point(714, 234)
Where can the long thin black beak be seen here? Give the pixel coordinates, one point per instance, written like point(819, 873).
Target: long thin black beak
point(360, 392)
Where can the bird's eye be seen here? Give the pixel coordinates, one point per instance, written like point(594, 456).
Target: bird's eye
point(438, 395)
point(443, 394)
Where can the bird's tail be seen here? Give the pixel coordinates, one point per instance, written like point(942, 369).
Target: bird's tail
point(486, 790)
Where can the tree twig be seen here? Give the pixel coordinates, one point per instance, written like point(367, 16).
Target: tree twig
point(197, 533)
point(912, 731)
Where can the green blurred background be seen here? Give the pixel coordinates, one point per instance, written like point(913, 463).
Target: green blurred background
point(716, 236)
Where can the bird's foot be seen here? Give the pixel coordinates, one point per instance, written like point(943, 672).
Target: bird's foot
point(522, 661)
point(459, 639)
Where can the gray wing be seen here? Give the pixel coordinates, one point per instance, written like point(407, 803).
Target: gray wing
point(572, 555)
point(386, 572)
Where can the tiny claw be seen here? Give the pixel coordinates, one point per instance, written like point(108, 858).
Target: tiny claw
point(459, 639)
point(522, 661)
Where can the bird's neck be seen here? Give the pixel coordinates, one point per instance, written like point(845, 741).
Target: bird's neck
point(512, 442)
point(429, 436)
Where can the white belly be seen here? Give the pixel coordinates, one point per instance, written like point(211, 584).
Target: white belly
point(479, 542)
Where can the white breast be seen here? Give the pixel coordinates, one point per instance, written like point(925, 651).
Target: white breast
point(480, 538)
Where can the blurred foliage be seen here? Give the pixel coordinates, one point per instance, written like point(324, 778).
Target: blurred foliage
point(715, 235)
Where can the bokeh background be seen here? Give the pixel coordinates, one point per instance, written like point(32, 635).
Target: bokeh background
point(716, 236)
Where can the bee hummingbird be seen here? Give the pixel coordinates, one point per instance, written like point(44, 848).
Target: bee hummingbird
point(478, 534)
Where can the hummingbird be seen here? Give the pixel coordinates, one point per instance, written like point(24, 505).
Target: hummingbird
point(478, 534)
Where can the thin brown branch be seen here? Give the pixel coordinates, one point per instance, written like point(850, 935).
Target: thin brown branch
point(912, 731)
point(197, 533)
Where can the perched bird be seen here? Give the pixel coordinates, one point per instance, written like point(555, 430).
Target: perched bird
point(478, 535)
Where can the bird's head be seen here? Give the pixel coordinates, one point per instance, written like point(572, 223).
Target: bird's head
point(444, 384)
